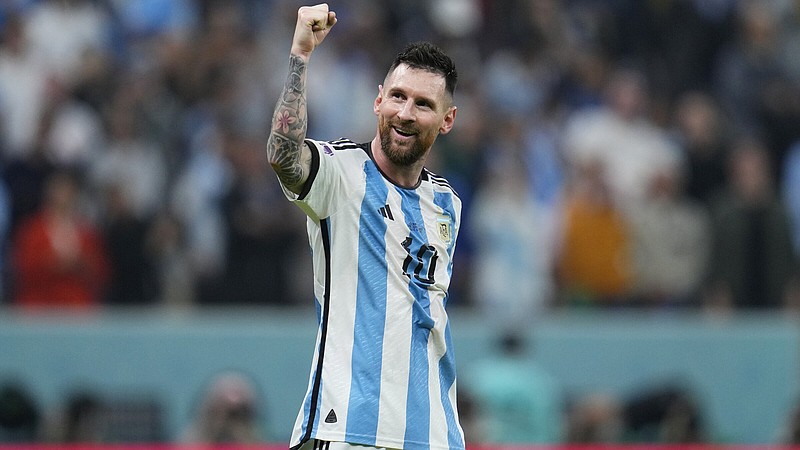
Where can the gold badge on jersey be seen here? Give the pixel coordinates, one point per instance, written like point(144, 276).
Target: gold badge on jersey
point(444, 225)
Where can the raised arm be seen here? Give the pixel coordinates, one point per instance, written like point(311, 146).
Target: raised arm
point(286, 153)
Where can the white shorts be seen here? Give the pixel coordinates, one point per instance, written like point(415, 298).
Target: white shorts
point(316, 444)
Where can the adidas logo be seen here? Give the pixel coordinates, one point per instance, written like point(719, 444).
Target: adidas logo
point(386, 212)
point(331, 417)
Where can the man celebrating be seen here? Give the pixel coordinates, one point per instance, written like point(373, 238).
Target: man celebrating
point(383, 230)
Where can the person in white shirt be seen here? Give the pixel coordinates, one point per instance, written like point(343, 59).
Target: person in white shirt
point(382, 229)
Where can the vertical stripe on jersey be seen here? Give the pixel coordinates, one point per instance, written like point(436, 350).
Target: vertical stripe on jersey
point(370, 317)
point(445, 201)
point(311, 405)
point(418, 400)
point(447, 364)
point(447, 379)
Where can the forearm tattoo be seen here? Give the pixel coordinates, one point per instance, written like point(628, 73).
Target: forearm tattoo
point(289, 125)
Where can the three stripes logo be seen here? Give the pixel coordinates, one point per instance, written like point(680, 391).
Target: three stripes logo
point(321, 445)
point(386, 212)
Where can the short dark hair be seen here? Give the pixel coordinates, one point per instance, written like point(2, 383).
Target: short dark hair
point(427, 56)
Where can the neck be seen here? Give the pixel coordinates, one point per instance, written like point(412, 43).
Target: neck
point(403, 176)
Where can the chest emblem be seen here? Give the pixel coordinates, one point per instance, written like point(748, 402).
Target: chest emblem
point(445, 227)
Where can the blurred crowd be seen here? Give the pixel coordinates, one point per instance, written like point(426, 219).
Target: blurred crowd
point(510, 398)
point(228, 410)
point(608, 153)
point(506, 398)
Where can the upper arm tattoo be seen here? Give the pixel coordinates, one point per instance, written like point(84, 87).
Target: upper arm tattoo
point(289, 125)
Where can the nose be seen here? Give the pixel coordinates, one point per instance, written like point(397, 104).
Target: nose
point(406, 112)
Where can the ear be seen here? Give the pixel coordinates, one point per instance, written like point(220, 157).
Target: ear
point(376, 105)
point(449, 120)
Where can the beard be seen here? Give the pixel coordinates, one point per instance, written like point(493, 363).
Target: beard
point(402, 154)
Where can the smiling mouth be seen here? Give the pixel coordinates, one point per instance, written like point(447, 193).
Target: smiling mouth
point(404, 133)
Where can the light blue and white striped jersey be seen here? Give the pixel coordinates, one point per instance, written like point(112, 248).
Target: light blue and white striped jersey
point(383, 372)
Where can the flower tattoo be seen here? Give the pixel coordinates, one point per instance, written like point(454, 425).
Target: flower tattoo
point(283, 121)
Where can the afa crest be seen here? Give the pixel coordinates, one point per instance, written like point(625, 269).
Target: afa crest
point(445, 227)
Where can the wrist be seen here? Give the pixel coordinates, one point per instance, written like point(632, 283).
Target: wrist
point(300, 53)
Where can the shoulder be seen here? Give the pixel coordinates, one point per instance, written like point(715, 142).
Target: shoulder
point(335, 164)
point(335, 147)
point(438, 182)
point(341, 155)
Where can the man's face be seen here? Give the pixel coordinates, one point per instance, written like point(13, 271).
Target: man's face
point(413, 108)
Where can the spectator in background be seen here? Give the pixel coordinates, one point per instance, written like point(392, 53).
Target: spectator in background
point(512, 280)
point(263, 248)
point(64, 32)
point(582, 85)
point(230, 413)
point(73, 135)
point(518, 400)
point(26, 176)
point(20, 418)
point(748, 62)
point(675, 42)
point(595, 418)
point(671, 244)
point(23, 86)
point(129, 178)
point(790, 430)
point(44, 124)
point(130, 249)
point(753, 81)
point(173, 269)
point(666, 414)
point(80, 420)
point(171, 19)
point(753, 264)
point(196, 201)
point(59, 257)
point(83, 421)
point(594, 263)
point(621, 137)
point(790, 189)
point(700, 130)
point(130, 159)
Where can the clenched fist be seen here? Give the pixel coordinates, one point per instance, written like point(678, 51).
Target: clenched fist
point(313, 24)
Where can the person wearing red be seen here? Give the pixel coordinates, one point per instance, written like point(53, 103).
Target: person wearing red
point(58, 256)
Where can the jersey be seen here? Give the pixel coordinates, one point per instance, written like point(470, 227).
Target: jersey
point(383, 372)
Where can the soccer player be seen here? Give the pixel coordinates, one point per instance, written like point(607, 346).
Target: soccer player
point(382, 229)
